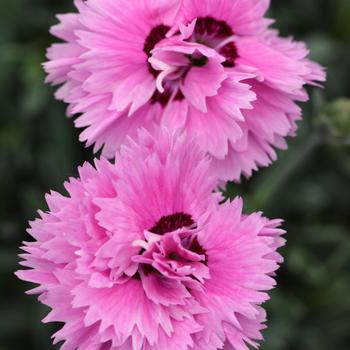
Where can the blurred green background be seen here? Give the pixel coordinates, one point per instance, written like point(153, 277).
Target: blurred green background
point(309, 186)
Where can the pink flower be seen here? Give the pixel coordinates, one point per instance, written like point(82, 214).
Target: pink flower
point(210, 67)
point(140, 255)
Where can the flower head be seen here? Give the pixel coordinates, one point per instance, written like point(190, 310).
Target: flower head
point(140, 255)
point(213, 68)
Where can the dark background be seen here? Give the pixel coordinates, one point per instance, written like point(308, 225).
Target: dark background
point(309, 186)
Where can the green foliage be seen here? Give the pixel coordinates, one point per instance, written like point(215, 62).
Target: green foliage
point(309, 186)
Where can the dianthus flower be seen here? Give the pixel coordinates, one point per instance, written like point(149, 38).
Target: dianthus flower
point(212, 67)
point(141, 255)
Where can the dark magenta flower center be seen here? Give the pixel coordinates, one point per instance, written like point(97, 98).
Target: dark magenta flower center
point(209, 26)
point(156, 35)
point(171, 223)
point(188, 241)
point(210, 32)
point(164, 98)
point(229, 51)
